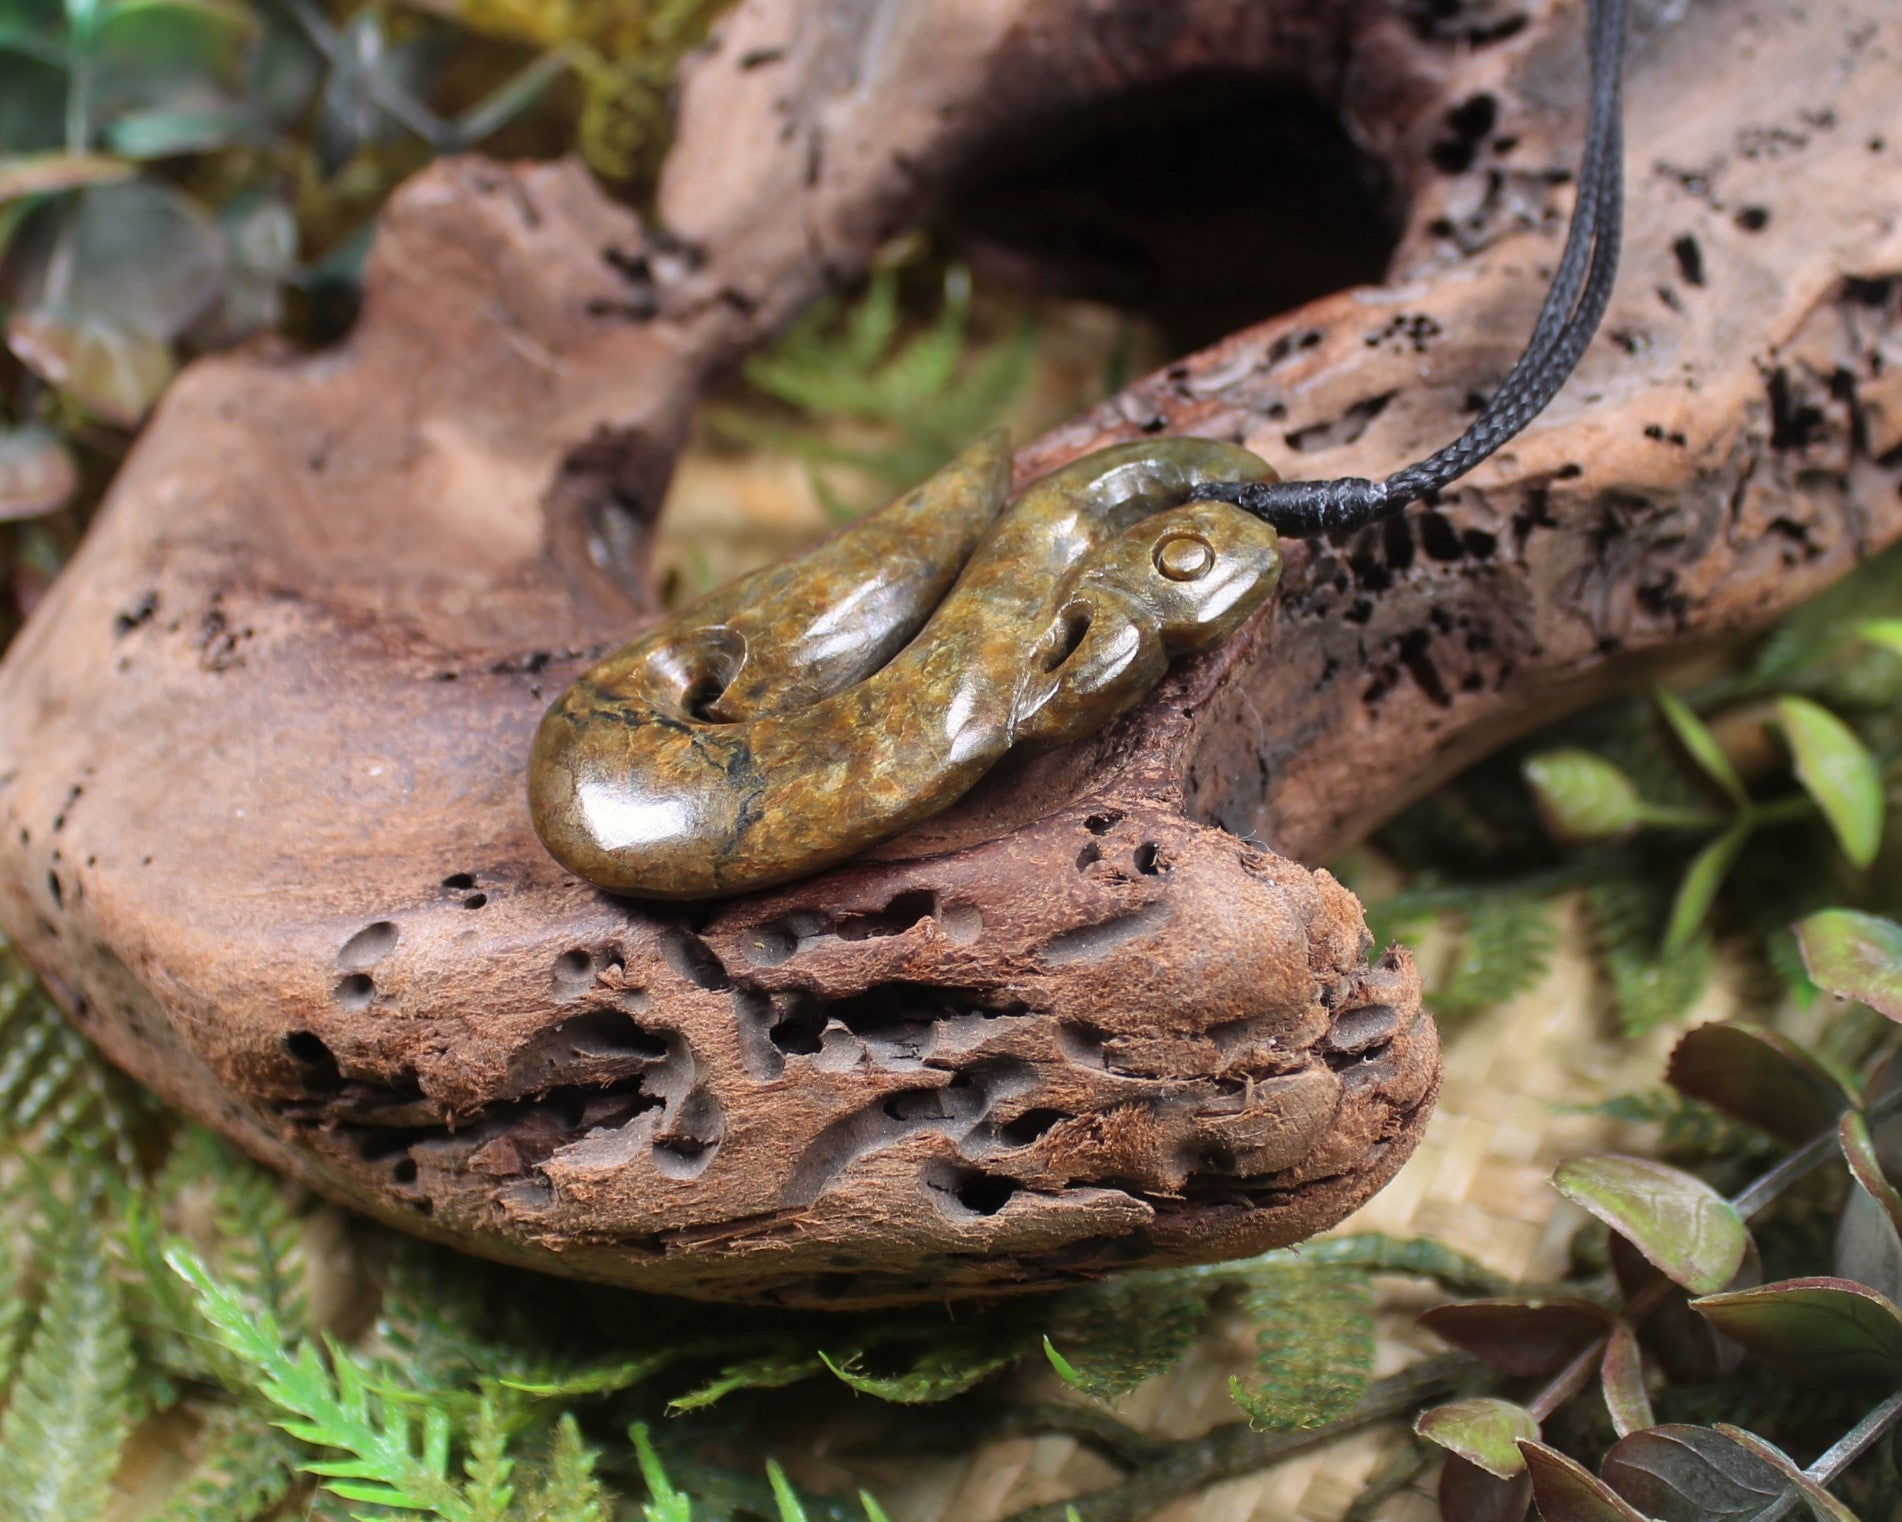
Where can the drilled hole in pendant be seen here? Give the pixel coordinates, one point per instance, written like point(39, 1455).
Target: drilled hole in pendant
point(702, 693)
point(696, 672)
point(1068, 636)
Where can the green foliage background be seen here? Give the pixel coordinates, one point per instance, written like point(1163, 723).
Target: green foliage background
point(168, 1349)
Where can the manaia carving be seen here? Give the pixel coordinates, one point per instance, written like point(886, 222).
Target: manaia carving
point(814, 707)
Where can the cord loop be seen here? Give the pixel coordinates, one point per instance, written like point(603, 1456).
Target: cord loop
point(1574, 305)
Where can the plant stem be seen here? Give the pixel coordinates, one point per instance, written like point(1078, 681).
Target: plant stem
point(1782, 810)
point(1855, 1442)
point(1761, 1191)
point(1114, 1439)
point(1578, 1373)
point(1819, 1149)
point(1236, 1448)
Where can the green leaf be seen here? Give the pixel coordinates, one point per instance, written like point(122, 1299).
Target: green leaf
point(1886, 632)
point(1833, 1331)
point(1502, 941)
point(58, 1099)
point(185, 55)
point(1869, 1232)
point(920, 401)
point(16, 1304)
point(1314, 1336)
point(38, 174)
point(1582, 797)
point(1679, 1473)
point(1468, 1493)
point(38, 474)
point(1621, 1381)
point(1698, 890)
point(1685, 1228)
point(1483, 1430)
point(1568, 1492)
point(1528, 1339)
point(872, 324)
point(137, 255)
point(1823, 1506)
point(1855, 956)
point(1701, 745)
point(112, 371)
point(71, 1408)
point(1837, 770)
point(664, 1503)
point(1119, 1335)
point(1759, 1077)
point(1375, 1252)
point(162, 134)
point(790, 1508)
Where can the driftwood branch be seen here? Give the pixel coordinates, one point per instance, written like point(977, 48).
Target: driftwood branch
point(262, 824)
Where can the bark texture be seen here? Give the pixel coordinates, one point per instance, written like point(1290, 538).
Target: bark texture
point(262, 823)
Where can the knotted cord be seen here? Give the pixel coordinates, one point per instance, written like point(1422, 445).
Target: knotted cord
point(1581, 286)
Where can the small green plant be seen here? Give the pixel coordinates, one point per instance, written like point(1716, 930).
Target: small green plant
point(887, 402)
point(1688, 1300)
point(112, 261)
point(1737, 807)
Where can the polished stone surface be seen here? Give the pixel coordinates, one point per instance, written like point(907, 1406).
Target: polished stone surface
point(817, 706)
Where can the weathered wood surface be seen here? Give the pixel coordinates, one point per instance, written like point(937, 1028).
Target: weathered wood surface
point(262, 823)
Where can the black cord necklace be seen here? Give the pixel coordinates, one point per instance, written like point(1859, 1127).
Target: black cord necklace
point(805, 712)
point(1573, 306)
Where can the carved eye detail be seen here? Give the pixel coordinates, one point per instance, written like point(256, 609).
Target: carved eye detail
point(1184, 557)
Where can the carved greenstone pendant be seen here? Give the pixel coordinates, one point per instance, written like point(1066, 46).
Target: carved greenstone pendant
point(812, 708)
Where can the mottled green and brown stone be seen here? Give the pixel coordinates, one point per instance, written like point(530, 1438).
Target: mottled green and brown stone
point(815, 707)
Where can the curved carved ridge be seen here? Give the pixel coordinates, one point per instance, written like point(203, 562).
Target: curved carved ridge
point(261, 822)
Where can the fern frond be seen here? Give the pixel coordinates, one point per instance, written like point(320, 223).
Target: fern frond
point(57, 1095)
point(791, 1509)
point(609, 1377)
point(1314, 1331)
point(16, 1305)
point(1649, 986)
point(72, 1409)
point(664, 1503)
point(939, 1372)
point(1505, 948)
point(769, 1371)
point(244, 1470)
point(388, 1463)
point(568, 1490)
point(920, 399)
point(259, 1235)
point(1503, 937)
point(488, 1463)
point(432, 1319)
point(1113, 1338)
point(1375, 1252)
